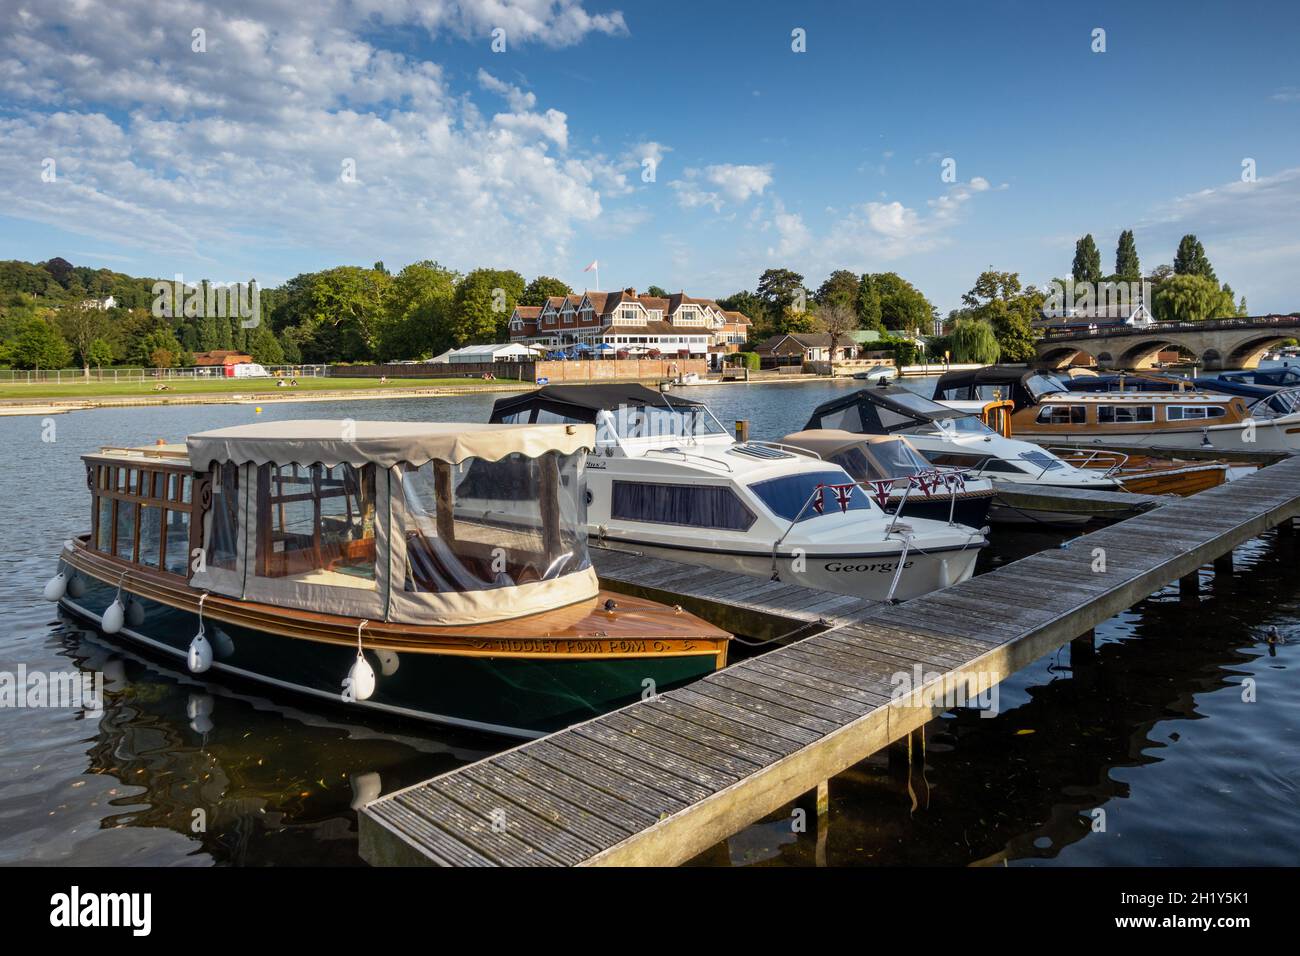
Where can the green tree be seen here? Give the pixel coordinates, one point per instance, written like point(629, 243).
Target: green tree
point(542, 288)
point(840, 287)
point(782, 292)
point(82, 326)
point(265, 347)
point(40, 346)
point(339, 312)
point(973, 340)
point(902, 306)
point(419, 312)
point(1087, 261)
point(659, 292)
point(998, 299)
point(99, 353)
point(482, 306)
point(867, 304)
point(1190, 260)
point(1192, 298)
point(159, 348)
point(1127, 266)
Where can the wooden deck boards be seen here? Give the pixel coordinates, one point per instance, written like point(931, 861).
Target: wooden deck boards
point(659, 781)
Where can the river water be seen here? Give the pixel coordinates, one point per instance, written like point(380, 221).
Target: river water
point(1154, 733)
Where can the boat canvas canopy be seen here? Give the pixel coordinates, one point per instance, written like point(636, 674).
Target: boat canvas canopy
point(580, 402)
point(880, 410)
point(385, 444)
point(1023, 386)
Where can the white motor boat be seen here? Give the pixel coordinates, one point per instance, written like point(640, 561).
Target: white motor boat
point(956, 438)
point(668, 479)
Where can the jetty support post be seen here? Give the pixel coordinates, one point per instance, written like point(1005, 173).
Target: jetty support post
point(742, 430)
point(816, 805)
point(1223, 565)
point(1083, 649)
point(1189, 587)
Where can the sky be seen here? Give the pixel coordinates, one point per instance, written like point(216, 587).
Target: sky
point(688, 145)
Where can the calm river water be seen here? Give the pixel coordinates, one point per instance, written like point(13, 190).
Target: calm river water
point(1155, 733)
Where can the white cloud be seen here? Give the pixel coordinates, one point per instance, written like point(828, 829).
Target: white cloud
point(733, 182)
point(1249, 234)
point(872, 231)
point(182, 152)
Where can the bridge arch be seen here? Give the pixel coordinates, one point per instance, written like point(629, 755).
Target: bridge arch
point(1142, 354)
point(1246, 354)
point(1062, 356)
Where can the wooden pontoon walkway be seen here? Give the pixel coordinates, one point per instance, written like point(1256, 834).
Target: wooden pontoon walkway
point(660, 781)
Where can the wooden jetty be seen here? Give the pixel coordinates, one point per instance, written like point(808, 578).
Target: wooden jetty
point(660, 781)
point(1096, 505)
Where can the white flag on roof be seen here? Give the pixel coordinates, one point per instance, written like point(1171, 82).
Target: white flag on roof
point(595, 264)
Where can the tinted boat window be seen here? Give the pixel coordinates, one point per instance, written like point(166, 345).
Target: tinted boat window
point(786, 497)
point(1125, 414)
point(691, 505)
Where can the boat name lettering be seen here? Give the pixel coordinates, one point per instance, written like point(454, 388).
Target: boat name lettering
point(884, 567)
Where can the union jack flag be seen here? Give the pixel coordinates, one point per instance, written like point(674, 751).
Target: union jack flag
point(843, 495)
point(819, 500)
point(881, 491)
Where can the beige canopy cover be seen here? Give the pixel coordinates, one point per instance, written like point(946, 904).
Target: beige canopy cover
point(357, 443)
point(829, 441)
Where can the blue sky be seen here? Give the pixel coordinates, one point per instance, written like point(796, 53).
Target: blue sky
point(226, 163)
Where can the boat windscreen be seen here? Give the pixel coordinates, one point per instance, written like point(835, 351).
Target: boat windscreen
point(792, 497)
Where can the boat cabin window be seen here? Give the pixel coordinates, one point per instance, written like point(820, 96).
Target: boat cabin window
point(1062, 415)
point(142, 515)
point(1180, 413)
point(316, 523)
point(787, 497)
point(489, 524)
point(698, 506)
point(887, 459)
point(1125, 414)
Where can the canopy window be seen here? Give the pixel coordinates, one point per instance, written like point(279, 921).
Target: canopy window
point(316, 524)
point(481, 525)
point(222, 545)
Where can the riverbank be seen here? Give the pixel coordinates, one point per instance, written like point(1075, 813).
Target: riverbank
point(40, 399)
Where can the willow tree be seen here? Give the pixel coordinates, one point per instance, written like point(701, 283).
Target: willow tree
point(973, 340)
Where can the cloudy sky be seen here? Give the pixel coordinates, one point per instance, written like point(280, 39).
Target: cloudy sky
point(687, 145)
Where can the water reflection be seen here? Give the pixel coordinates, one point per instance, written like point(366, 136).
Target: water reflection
point(1144, 753)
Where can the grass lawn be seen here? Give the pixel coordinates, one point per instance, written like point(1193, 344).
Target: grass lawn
point(217, 386)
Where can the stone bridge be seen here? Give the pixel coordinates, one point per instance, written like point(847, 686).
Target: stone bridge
point(1216, 343)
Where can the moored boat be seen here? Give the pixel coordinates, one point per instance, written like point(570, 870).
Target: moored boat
point(432, 571)
point(668, 480)
point(897, 476)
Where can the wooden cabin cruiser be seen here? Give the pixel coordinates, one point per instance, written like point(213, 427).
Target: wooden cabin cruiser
point(434, 571)
point(899, 477)
point(953, 438)
point(667, 479)
point(1045, 410)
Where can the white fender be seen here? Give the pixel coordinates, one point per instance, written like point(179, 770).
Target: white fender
point(200, 654)
point(360, 682)
point(113, 617)
point(134, 612)
point(56, 587)
point(388, 662)
point(366, 788)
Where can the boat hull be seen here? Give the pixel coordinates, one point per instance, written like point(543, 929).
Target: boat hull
point(537, 685)
point(972, 510)
point(859, 575)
